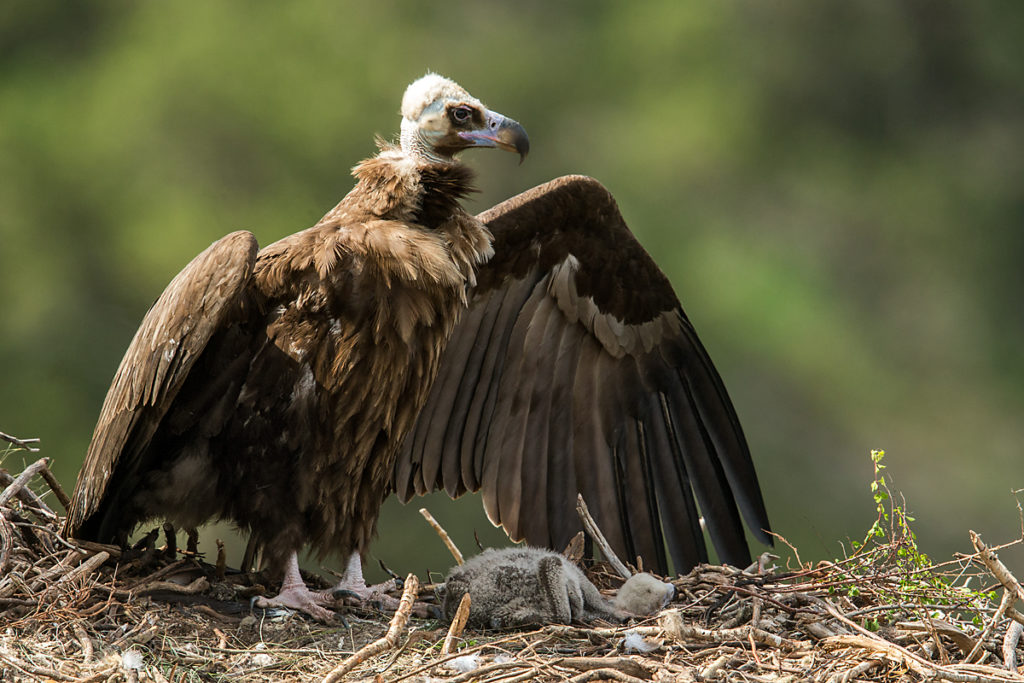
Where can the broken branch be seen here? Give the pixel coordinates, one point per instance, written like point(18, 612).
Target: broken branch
point(458, 624)
point(602, 542)
point(449, 543)
point(388, 641)
point(20, 443)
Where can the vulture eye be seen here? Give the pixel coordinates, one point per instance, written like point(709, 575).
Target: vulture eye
point(461, 114)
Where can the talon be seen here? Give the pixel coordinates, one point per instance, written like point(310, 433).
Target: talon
point(296, 595)
point(339, 593)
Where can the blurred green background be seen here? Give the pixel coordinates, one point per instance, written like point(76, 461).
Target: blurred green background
point(836, 191)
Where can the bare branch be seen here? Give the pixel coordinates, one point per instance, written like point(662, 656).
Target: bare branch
point(20, 443)
point(458, 624)
point(388, 641)
point(22, 480)
point(598, 536)
point(449, 543)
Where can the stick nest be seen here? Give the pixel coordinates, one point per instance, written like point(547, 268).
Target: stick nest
point(81, 612)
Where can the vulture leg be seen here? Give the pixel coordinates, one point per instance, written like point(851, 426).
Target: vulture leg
point(353, 584)
point(296, 595)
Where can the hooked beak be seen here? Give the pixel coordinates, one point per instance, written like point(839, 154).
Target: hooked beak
point(500, 132)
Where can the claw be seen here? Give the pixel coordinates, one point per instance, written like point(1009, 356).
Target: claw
point(354, 585)
point(339, 593)
point(399, 581)
point(296, 595)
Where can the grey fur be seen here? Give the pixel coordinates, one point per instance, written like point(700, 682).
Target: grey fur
point(643, 594)
point(526, 586)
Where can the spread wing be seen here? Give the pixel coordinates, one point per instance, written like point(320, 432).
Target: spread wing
point(576, 370)
point(172, 335)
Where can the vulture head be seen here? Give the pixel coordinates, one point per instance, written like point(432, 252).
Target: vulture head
point(440, 119)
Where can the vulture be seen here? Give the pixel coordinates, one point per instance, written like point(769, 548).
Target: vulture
point(402, 345)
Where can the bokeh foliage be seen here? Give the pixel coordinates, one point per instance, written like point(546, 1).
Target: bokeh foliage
point(835, 190)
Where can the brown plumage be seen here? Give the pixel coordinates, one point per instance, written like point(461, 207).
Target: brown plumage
point(290, 390)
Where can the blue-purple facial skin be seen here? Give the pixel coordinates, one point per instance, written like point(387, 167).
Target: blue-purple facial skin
point(501, 132)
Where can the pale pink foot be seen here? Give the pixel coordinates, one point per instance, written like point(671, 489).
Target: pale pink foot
point(296, 595)
point(353, 584)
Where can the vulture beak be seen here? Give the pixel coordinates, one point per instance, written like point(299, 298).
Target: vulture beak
point(500, 132)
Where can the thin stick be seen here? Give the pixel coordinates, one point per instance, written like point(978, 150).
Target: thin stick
point(855, 672)
point(84, 640)
point(198, 585)
point(388, 641)
point(630, 667)
point(6, 542)
point(896, 653)
point(1013, 633)
point(25, 667)
point(1011, 592)
point(223, 642)
point(20, 443)
point(679, 631)
point(22, 479)
point(55, 486)
point(605, 675)
point(997, 568)
point(1004, 604)
point(922, 667)
point(479, 673)
point(937, 627)
point(470, 650)
point(452, 548)
point(158, 574)
point(98, 676)
point(91, 546)
point(711, 670)
point(29, 497)
point(458, 624)
point(602, 542)
point(86, 568)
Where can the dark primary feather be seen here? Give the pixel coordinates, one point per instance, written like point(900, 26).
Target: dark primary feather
point(191, 310)
point(575, 369)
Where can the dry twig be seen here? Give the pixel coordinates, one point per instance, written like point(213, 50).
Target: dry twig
point(388, 641)
point(448, 542)
point(20, 443)
point(1010, 640)
point(68, 608)
point(598, 536)
point(458, 624)
point(21, 481)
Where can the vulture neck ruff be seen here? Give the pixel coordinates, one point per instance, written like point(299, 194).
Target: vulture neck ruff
point(400, 186)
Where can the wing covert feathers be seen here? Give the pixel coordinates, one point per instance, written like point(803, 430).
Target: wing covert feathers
point(173, 333)
point(576, 370)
